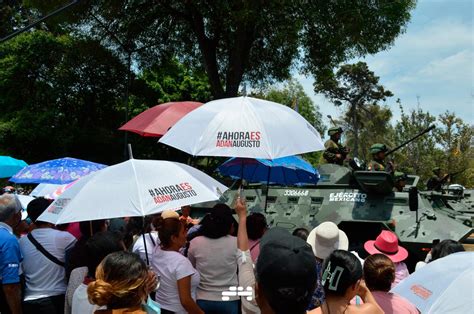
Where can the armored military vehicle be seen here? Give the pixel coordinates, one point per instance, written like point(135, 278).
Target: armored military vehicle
point(455, 201)
point(361, 203)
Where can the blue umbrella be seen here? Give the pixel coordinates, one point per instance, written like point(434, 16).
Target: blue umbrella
point(292, 170)
point(56, 171)
point(9, 166)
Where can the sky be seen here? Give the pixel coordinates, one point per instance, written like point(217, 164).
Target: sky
point(430, 65)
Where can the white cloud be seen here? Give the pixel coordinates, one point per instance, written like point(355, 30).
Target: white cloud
point(433, 60)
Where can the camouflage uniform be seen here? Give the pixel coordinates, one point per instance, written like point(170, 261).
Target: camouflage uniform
point(435, 182)
point(377, 164)
point(400, 181)
point(333, 147)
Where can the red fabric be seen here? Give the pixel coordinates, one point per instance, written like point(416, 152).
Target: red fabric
point(73, 228)
point(157, 120)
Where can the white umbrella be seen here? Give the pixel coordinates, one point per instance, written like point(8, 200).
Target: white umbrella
point(445, 285)
point(132, 188)
point(24, 200)
point(44, 189)
point(243, 127)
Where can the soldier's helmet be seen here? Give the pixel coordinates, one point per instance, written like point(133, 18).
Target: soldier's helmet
point(334, 130)
point(436, 170)
point(377, 148)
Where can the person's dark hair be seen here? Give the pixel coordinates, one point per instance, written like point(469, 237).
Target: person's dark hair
point(340, 271)
point(135, 227)
point(219, 222)
point(167, 228)
point(99, 246)
point(36, 207)
point(256, 225)
point(445, 248)
point(379, 272)
point(120, 281)
point(302, 233)
point(86, 226)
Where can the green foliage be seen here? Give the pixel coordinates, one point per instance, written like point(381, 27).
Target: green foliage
point(357, 87)
point(292, 94)
point(173, 81)
point(454, 137)
point(59, 97)
point(447, 147)
point(418, 157)
point(255, 41)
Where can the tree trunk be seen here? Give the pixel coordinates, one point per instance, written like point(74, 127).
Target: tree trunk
point(355, 123)
point(208, 50)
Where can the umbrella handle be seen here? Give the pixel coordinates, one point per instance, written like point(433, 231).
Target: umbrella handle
point(130, 153)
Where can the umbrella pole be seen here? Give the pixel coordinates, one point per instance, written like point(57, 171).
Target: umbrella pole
point(268, 188)
point(144, 241)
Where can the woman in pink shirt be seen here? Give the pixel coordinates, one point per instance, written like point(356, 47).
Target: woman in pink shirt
point(379, 274)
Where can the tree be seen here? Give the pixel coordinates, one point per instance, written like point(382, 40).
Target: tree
point(454, 137)
point(357, 87)
point(60, 96)
point(419, 157)
point(374, 128)
point(292, 94)
point(255, 41)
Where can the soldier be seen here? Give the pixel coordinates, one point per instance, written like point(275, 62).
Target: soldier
point(400, 179)
point(378, 159)
point(335, 152)
point(435, 182)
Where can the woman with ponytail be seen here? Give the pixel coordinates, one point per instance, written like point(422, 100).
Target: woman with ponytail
point(342, 281)
point(122, 284)
point(178, 278)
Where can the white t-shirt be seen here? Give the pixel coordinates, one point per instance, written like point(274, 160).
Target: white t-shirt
point(152, 241)
point(45, 278)
point(80, 302)
point(172, 266)
point(216, 262)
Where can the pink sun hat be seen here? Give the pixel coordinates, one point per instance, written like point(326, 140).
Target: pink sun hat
point(387, 244)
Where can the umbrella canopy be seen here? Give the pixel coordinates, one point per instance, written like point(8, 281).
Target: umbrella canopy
point(445, 285)
point(157, 120)
point(243, 127)
point(56, 171)
point(133, 188)
point(24, 200)
point(292, 170)
point(44, 189)
point(9, 166)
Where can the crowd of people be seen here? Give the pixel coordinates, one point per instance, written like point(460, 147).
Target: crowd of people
point(169, 263)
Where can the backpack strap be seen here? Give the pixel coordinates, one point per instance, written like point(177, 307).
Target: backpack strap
point(152, 240)
point(40, 248)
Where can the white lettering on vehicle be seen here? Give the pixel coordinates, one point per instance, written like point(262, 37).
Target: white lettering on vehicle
point(347, 197)
point(296, 193)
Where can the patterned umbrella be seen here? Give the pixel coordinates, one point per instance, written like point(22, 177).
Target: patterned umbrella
point(9, 166)
point(56, 171)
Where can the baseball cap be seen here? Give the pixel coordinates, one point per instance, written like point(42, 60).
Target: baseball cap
point(286, 265)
